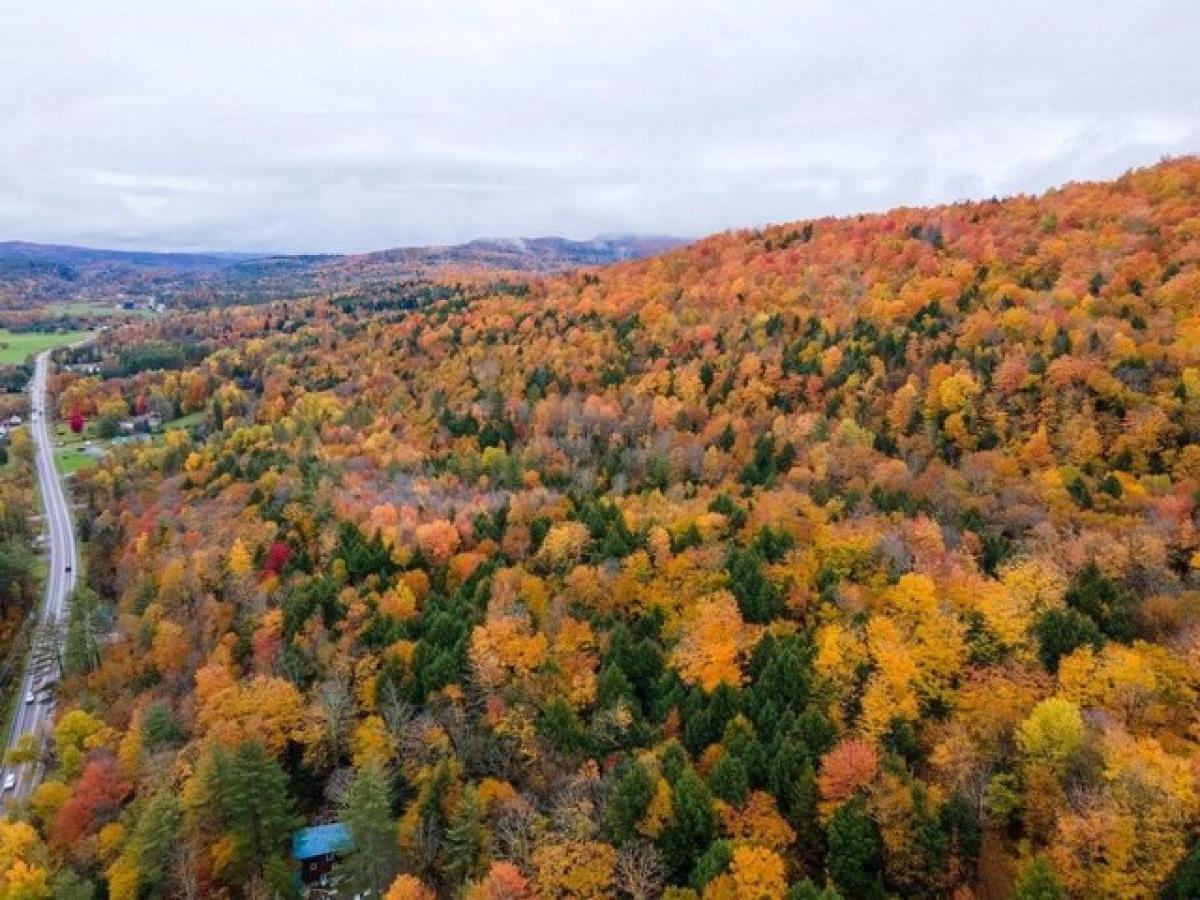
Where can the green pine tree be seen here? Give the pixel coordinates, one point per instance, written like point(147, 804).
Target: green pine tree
point(729, 780)
point(249, 792)
point(694, 825)
point(855, 853)
point(466, 838)
point(155, 838)
point(628, 802)
point(367, 813)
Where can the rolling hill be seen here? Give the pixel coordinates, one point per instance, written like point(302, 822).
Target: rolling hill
point(854, 557)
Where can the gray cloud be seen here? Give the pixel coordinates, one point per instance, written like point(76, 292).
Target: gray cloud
point(354, 125)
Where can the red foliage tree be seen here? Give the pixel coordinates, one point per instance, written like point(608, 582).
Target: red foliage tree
point(95, 800)
point(277, 557)
point(846, 768)
point(503, 881)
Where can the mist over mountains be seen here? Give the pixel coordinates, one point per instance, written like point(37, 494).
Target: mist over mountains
point(33, 274)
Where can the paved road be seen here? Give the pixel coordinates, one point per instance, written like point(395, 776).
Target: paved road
point(34, 718)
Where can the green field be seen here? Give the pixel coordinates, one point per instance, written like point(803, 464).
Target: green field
point(69, 455)
point(184, 421)
point(71, 459)
point(96, 309)
point(14, 348)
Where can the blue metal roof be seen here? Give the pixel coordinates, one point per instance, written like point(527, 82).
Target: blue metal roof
point(320, 840)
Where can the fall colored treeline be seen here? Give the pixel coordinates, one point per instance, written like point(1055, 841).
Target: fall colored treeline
point(850, 558)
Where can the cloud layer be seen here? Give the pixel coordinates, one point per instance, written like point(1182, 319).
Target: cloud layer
point(307, 125)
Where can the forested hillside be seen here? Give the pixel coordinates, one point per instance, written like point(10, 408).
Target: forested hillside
point(851, 557)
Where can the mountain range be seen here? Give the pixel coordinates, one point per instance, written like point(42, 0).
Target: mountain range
point(34, 274)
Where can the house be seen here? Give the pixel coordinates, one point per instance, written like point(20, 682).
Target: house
point(142, 424)
point(316, 849)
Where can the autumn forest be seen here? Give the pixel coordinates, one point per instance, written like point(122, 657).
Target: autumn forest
point(850, 558)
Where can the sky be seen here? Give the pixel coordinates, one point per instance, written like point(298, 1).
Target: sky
point(352, 125)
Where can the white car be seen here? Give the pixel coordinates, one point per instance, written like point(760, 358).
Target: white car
point(29, 697)
point(10, 781)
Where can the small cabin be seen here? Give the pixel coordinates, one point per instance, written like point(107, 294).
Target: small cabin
point(316, 849)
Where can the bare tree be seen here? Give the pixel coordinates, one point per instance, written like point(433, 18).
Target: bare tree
point(517, 829)
point(397, 712)
point(337, 786)
point(333, 718)
point(639, 871)
point(186, 865)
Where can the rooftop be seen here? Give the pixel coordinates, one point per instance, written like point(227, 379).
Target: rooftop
point(321, 840)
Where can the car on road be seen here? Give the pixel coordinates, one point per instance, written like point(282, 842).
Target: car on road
point(10, 781)
point(68, 567)
point(30, 697)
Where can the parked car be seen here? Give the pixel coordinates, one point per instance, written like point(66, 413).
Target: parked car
point(30, 697)
point(10, 781)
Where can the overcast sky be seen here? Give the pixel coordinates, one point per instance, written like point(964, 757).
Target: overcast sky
point(362, 124)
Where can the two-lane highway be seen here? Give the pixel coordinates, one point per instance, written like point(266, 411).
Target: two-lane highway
point(33, 710)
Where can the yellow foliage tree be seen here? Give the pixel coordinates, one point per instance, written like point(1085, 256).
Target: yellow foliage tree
point(1052, 732)
point(758, 873)
point(23, 863)
point(408, 887)
point(709, 651)
point(579, 870)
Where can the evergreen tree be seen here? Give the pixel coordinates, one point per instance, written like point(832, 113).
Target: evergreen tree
point(367, 812)
point(628, 802)
point(806, 890)
point(562, 727)
point(1061, 631)
point(155, 838)
point(713, 862)
point(782, 680)
point(1103, 601)
point(465, 840)
point(69, 885)
point(249, 793)
point(158, 726)
point(1185, 880)
point(694, 825)
point(802, 808)
point(729, 780)
point(855, 853)
point(673, 761)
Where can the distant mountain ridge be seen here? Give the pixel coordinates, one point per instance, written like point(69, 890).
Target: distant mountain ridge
point(33, 274)
point(67, 254)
